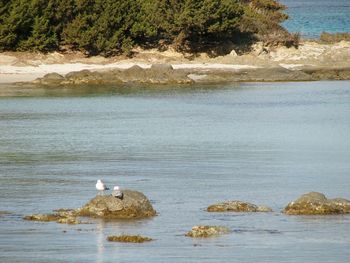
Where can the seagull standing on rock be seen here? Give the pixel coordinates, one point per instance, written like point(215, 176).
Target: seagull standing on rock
point(117, 193)
point(100, 186)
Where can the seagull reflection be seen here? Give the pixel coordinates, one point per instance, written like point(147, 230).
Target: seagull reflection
point(100, 240)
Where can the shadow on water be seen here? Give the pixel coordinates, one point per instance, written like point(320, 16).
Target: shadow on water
point(17, 90)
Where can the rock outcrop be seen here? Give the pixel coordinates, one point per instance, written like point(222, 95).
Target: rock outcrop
point(207, 231)
point(133, 205)
point(62, 216)
point(314, 203)
point(157, 74)
point(237, 206)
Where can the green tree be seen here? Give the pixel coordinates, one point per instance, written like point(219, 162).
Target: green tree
point(41, 38)
point(115, 26)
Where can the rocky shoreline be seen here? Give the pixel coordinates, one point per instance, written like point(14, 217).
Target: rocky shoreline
point(166, 74)
point(312, 61)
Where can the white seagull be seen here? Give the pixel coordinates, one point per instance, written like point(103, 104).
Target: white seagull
point(100, 186)
point(117, 192)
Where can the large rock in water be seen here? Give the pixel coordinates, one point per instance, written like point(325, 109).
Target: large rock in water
point(237, 206)
point(314, 203)
point(133, 205)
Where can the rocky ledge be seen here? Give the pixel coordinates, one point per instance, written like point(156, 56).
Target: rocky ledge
point(133, 205)
point(314, 203)
point(237, 206)
point(207, 231)
point(156, 74)
point(62, 216)
point(165, 74)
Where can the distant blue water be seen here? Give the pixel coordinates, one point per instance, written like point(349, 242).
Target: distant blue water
point(312, 17)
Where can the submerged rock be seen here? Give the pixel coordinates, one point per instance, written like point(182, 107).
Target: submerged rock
point(4, 213)
point(314, 203)
point(62, 216)
point(129, 239)
point(328, 73)
point(133, 205)
point(69, 220)
point(53, 218)
point(207, 231)
point(42, 217)
point(237, 206)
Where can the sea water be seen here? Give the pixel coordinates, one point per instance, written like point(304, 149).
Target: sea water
point(185, 148)
point(312, 17)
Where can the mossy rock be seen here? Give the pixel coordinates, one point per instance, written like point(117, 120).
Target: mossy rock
point(42, 217)
point(314, 203)
point(207, 231)
point(133, 205)
point(237, 206)
point(129, 239)
point(62, 216)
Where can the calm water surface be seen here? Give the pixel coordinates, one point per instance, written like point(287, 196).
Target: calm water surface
point(185, 149)
point(312, 17)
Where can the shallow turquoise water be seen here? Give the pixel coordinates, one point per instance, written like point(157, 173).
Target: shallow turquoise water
point(185, 149)
point(312, 17)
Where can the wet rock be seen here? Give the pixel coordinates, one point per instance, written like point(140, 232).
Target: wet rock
point(275, 73)
point(62, 216)
point(314, 203)
point(157, 74)
point(324, 73)
point(207, 231)
point(129, 239)
point(50, 79)
point(133, 205)
point(83, 77)
point(53, 76)
point(69, 220)
point(237, 206)
point(42, 217)
point(264, 209)
point(66, 212)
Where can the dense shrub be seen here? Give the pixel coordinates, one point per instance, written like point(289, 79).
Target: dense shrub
point(115, 26)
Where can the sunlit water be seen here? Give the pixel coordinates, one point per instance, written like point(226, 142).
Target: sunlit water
point(311, 17)
point(185, 149)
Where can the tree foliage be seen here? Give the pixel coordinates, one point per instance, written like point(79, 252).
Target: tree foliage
point(115, 26)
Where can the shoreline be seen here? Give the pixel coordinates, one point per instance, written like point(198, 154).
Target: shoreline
point(311, 61)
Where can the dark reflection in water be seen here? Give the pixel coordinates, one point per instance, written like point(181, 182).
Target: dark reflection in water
point(186, 148)
point(28, 90)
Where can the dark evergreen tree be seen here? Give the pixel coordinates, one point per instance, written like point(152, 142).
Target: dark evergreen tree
point(115, 26)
